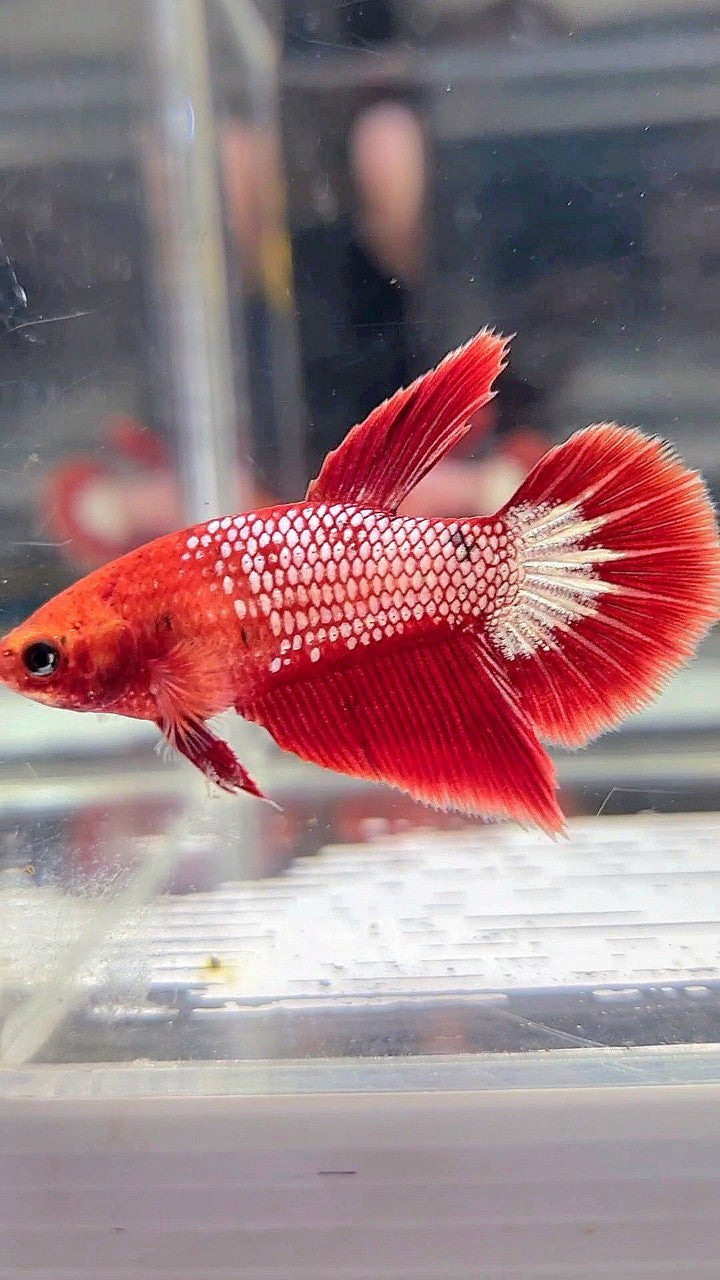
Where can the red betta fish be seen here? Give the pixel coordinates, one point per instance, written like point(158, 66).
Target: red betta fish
point(431, 654)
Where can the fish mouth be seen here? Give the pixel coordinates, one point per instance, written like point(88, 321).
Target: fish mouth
point(8, 663)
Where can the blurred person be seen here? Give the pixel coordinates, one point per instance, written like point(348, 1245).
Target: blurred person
point(388, 166)
point(354, 283)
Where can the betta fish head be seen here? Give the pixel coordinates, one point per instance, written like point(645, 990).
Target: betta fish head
point(74, 652)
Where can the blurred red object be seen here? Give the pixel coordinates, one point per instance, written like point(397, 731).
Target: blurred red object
point(98, 509)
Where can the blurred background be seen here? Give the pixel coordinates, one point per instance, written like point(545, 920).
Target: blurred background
point(227, 230)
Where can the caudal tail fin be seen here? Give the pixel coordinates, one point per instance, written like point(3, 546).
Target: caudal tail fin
point(620, 580)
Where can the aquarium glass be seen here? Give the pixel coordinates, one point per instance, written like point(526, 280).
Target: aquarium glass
point(228, 231)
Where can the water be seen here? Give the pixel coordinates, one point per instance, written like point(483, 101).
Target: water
point(163, 363)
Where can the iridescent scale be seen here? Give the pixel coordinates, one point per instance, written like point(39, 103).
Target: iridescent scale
point(340, 576)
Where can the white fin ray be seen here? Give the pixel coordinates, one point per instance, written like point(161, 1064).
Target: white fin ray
point(559, 581)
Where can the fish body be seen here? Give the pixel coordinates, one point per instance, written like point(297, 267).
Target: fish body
point(271, 594)
point(297, 587)
point(433, 654)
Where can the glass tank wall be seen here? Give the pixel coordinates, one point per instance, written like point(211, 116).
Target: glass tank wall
point(227, 232)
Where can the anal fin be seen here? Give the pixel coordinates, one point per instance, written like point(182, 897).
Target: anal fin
point(437, 720)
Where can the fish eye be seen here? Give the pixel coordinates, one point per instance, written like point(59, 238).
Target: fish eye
point(41, 658)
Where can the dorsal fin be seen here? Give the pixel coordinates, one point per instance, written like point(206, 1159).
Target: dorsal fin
point(385, 456)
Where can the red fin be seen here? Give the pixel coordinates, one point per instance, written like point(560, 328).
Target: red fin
point(187, 691)
point(385, 456)
point(437, 720)
point(619, 551)
point(211, 756)
point(184, 684)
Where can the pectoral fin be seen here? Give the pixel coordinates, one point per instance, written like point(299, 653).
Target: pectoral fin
point(187, 692)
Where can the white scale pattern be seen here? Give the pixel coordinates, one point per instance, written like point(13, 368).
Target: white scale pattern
point(325, 576)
